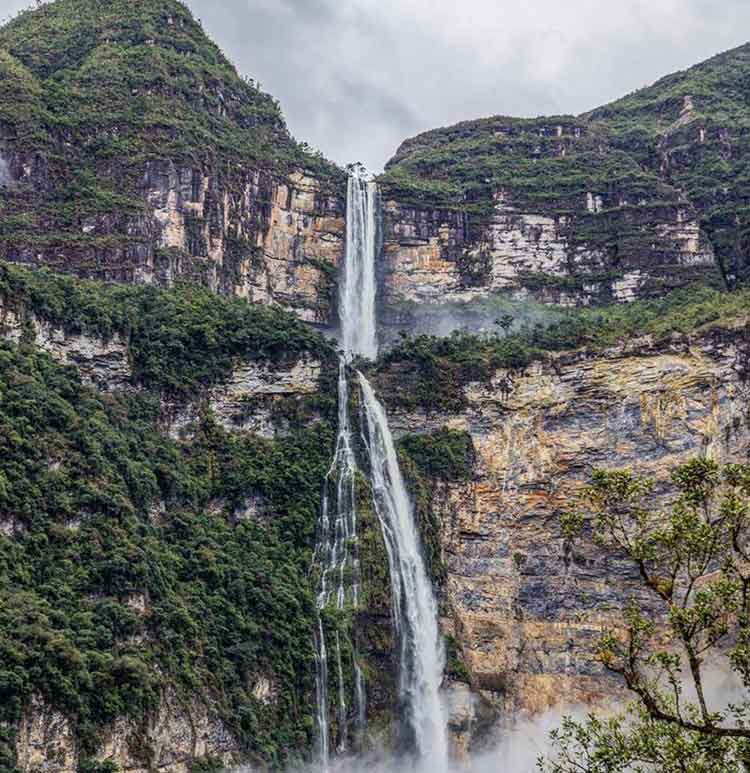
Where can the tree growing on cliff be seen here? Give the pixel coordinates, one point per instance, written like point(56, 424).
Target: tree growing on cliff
point(693, 559)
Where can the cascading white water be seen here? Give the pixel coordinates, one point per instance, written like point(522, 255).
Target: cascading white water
point(415, 612)
point(357, 289)
point(339, 576)
point(337, 533)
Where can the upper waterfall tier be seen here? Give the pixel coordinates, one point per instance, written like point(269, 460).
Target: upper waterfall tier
point(357, 291)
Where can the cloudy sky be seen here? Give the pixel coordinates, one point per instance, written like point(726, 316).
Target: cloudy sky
point(356, 77)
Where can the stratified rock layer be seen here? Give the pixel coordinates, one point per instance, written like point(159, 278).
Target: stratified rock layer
point(526, 606)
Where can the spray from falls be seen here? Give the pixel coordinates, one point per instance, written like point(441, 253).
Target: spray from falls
point(414, 605)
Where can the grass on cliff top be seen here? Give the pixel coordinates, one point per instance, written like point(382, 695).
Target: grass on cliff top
point(643, 149)
point(96, 93)
point(133, 79)
point(180, 341)
point(429, 372)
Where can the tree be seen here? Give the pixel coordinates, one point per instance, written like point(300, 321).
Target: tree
point(694, 559)
point(505, 322)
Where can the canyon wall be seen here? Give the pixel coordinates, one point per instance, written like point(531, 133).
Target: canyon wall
point(264, 398)
point(527, 606)
point(254, 234)
point(438, 256)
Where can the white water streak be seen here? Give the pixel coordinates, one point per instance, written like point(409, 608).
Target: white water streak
point(358, 288)
point(415, 612)
point(337, 533)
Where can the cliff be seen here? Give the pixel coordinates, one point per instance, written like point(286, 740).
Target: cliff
point(166, 430)
point(525, 606)
point(633, 199)
point(172, 467)
point(162, 461)
point(132, 151)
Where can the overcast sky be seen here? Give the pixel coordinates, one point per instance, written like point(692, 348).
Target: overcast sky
point(356, 77)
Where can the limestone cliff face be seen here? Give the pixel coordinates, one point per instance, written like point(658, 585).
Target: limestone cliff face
point(104, 364)
point(247, 402)
point(555, 209)
point(437, 256)
point(255, 398)
point(264, 237)
point(527, 607)
point(179, 733)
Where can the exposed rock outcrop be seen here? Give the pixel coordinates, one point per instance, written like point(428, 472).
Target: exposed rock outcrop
point(435, 256)
point(260, 236)
point(104, 364)
point(178, 734)
point(526, 606)
point(247, 401)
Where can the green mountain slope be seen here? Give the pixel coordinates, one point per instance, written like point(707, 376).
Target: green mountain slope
point(129, 571)
point(666, 154)
point(693, 130)
point(106, 104)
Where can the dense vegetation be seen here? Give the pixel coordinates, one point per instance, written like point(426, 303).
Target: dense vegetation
point(101, 100)
point(429, 372)
point(180, 341)
point(692, 558)
point(446, 454)
point(126, 562)
point(695, 126)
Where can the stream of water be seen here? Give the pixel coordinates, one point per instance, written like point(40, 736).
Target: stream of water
point(420, 651)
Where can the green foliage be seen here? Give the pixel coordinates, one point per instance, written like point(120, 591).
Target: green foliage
point(684, 139)
point(429, 372)
point(180, 341)
point(207, 765)
point(455, 667)
point(127, 562)
point(446, 455)
point(692, 558)
point(103, 92)
point(636, 742)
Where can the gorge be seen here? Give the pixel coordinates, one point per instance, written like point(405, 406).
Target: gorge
point(286, 454)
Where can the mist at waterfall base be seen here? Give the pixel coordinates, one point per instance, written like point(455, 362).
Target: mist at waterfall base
point(510, 750)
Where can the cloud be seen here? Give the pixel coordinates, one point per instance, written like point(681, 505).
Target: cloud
point(356, 78)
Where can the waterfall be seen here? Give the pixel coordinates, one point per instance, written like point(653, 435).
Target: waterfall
point(335, 553)
point(357, 290)
point(339, 574)
point(415, 613)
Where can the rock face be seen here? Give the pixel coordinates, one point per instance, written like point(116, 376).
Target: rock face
point(45, 740)
point(436, 256)
point(264, 239)
point(105, 364)
point(556, 209)
point(176, 736)
point(248, 401)
point(260, 236)
point(525, 606)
